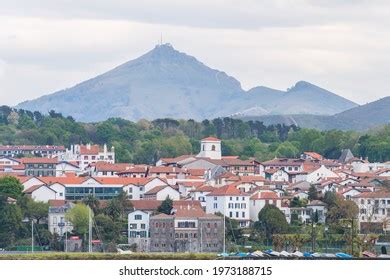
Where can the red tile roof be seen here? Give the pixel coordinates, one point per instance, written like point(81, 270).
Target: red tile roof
point(264, 195)
point(380, 194)
point(227, 191)
point(164, 169)
point(211, 139)
point(39, 160)
point(313, 155)
point(155, 190)
point(92, 150)
point(57, 202)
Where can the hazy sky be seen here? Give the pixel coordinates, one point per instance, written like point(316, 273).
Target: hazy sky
point(341, 45)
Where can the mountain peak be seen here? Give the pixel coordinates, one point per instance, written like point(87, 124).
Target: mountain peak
point(300, 85)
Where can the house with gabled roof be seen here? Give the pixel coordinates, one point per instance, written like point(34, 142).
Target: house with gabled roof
point(231, 202)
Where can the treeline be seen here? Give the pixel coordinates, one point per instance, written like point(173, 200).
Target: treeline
point(146, 141)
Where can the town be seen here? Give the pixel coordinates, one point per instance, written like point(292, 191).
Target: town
point(196, 203)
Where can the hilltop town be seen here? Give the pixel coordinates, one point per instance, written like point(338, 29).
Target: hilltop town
point(203, 202)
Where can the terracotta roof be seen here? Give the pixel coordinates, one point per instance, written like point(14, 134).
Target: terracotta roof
point(313, 155)
point(381, 194)
point(115, 167)
point(63, 180)
point(252, 178)
point(196, 172)
point(226, 191)
point(157, 189)
point(57, 203)
point(39, 160)
point(188, 211)
point(211, 139)
point(264, 195)
point(164, 169)
point(34, 188)
point(146, 205)
point(92, 150)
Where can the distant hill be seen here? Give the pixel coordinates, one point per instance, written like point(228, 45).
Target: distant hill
point(363, 117)
point(167, 83)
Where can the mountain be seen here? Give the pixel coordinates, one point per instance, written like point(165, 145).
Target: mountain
point(363, 117)
point(167, 83)
point(303, 98)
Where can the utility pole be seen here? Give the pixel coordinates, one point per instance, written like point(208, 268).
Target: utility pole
point(90, 232)
point(224, 233)
point(32, 235)
point(352, 236)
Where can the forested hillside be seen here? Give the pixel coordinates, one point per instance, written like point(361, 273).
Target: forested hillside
point(146, 141)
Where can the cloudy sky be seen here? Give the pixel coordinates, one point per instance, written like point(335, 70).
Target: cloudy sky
point(343, 46)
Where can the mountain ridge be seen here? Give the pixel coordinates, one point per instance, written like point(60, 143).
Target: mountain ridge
point(167, 83)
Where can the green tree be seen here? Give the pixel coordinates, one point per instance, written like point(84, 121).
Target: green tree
point(79, 217)
point(10, 222)
point(113, 209)
point(92, 202)
point(11, 186)
point(313, 193)
point(37, 210)
point(297, 202)
point(166, 206)
point(272, 220)
point(107, 229)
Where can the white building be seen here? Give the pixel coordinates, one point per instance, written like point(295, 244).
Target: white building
point(64, 168)
point(374, 208)
point(138, 230)
point(161, 193)
point(363, 167)
point(200, 194)
point(261, 199)
point(319, 174)
point(44, 193)
point(231, 202)
point(56, 217)
point(135, 190)
point(85, 155)
point(210, 147)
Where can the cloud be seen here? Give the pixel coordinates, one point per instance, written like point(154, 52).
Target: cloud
point(245, 14)
point(57, 44)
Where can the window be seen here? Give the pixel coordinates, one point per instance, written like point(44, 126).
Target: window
point(231, 214)
point(133, 226)
point(243, 214)
point(143, 226)
point(215, 198)
point(213, 147)
point(215, 205)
